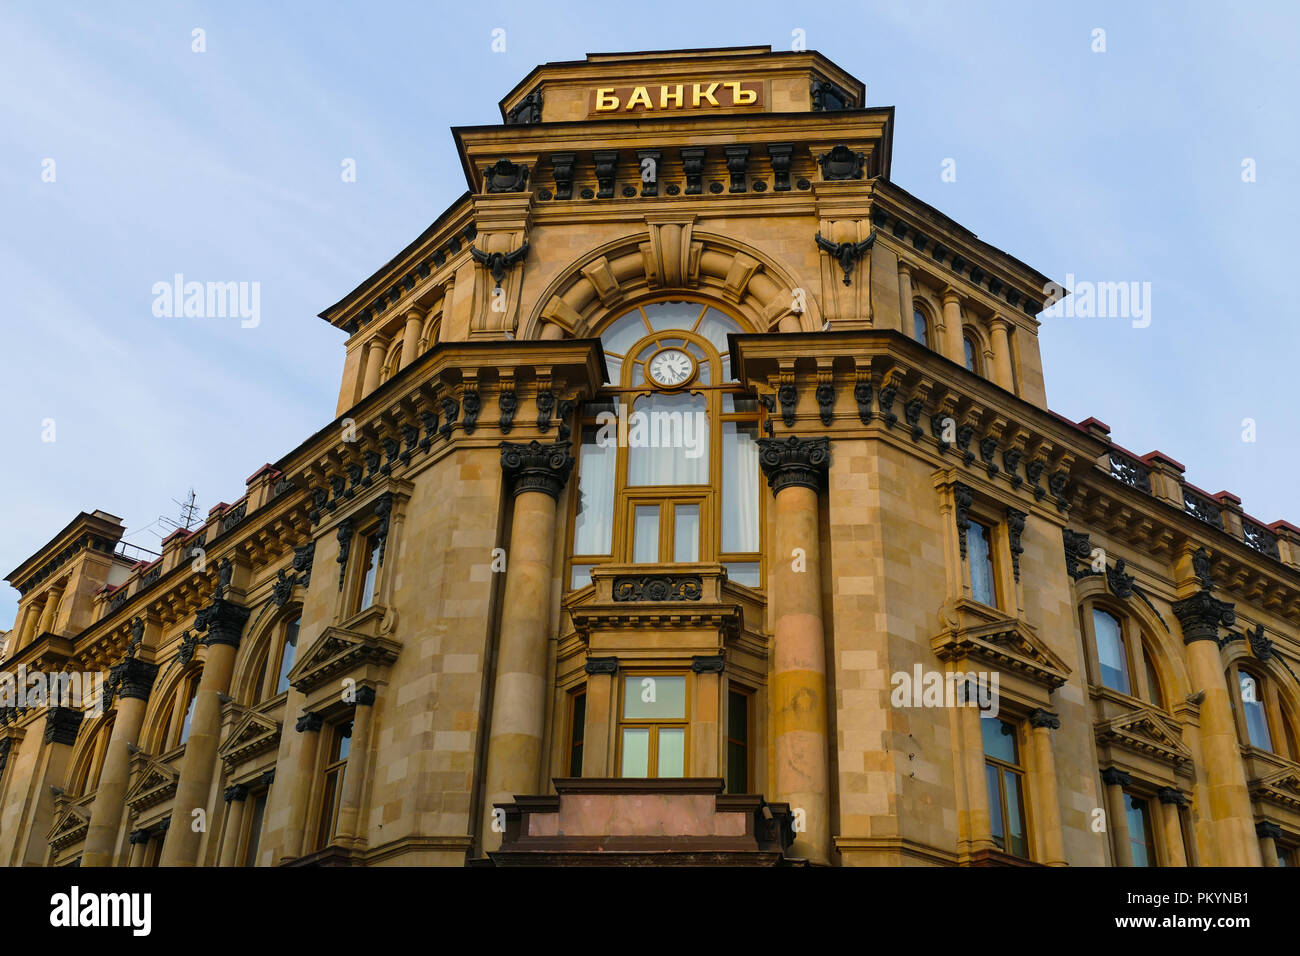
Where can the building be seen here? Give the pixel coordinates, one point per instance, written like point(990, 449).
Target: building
point(693, 497)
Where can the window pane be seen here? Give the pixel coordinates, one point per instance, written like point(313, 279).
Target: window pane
point(981, 564)
point(918, 327)
point(673, 315)
point(636, 752)
point(654, 698)
point(714, 326)
point(1110, 651)
point(999, 739)
point(668, 441)
point(290, 652)
point(743, 572)
point(343, 742)
point(734, 403)
point(1256, 721)
point(255, 829)
point(1153, 680)
point(1016, 842)
point(686, 533)
point(622, 335)
point(970, 355)
point(672, 752)
point(740, 485)
point(1138, 825)
point(368, 581)
point(581, 576)
point(991, 774)
point(189, 710)
point(593, 528)
point(645, 534)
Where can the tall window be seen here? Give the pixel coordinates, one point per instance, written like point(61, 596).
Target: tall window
point(257, 813)
point(979, 555)
point(652, 726)
point(668, 465)
point(190, 696)
point(920, 328)
point(1005, 780)
point(336, 761)
point(1254, 709)
point(288, 653)
point(1140, 838)
point(1112, 654)
point(738, 741)
point(369, 569)
point(972, 362)
point(577, 731)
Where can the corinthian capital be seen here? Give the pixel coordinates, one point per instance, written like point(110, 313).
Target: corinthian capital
point(537, 467)
point(794, 461)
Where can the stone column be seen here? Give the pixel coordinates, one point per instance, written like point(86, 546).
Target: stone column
point(224, 621)
point(236, 798)
point(132, 679)
point(706, 719)
point(602, 711)
point(411, 336)
point(979, 823)
point(951, 345)
point(1269, 834)
point(1042, 723)
point(48, 613)
point(139, 842)
point(1002, 374)
point(1117, 814)
point(1170, 801)
point(519, 697)
point(51, 770)
point(905, 296)
point(374, 364)
point(1232, 822)
point(309, 726)
point(354, 774)
point(796, 470)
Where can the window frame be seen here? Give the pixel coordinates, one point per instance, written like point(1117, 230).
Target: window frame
point(1274, 708)
point(927, 320)
point(1022, 773)
point(655, 724)
point(330, 778)
point(1138, 653)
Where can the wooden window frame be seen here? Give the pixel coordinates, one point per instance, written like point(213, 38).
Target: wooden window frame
point(576, 742)
point(653, 724)
point(1021, 772)
point(1137, 652)
point(748, 694)
point(330, 778)
point(1281, 733)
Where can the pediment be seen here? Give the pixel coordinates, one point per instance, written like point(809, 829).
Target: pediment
point(338, 652)
point(70, 826)
point(1004, 643)
point(1147, 732)
point(154, 783)
point(1281, 787)
point(253, 734)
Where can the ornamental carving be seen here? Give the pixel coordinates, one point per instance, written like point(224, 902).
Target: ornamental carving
point(841, 163)
point(1201, 615)
point(503, 176)
point(1016, 528)
point(962, 498)
point(537, 467)
point(1121, 584)
point(793, 461)
point(659, 587)
point(847, 254)
point(498, 263)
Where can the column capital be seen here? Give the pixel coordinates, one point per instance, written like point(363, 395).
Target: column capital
point(601, 665)
point(236, 792)
point(1267, 830)
point(1172, 795)
point(951, 293)
point(793, 461)
point(999, 321)
point(138, 837)
point(537, 467)
point(1114, 777)
point(267, 778)
point(223, 621)
point(1044, 718)
point(708, 665)
point(131, 678)
point(1200, 616)
point(61, 725)
point(365, 697)
point(309, 723)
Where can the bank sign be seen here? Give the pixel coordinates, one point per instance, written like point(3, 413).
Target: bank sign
point(675, 97)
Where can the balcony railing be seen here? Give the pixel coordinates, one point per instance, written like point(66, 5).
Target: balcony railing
point(1130, 471)
point(1199, 506)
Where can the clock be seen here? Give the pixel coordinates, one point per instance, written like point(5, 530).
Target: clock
point(670, 367)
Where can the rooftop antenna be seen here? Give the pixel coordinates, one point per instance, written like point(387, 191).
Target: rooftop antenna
point(188, 510)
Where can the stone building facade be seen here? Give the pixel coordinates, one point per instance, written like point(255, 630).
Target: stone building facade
point(693, 497)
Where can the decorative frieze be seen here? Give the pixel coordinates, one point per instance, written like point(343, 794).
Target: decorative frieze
point(658, 587)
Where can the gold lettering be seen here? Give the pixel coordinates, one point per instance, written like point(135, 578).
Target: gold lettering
point(700, 95)
point(676, 96)
point(606, 100)
point(741, 97)
point(640, 97)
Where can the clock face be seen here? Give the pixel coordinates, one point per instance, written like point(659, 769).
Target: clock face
point(670, 367)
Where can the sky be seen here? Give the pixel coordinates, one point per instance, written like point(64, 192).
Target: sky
point(1161, 150)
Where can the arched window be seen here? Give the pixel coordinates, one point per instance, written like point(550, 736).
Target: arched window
point(277, 661)
point(920, 327)
point(972, 354)
point(1267, 722)
point(1124, 660)
point(85, 777)
point(668, 464)
point(172, 728)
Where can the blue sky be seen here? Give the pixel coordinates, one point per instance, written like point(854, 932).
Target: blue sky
point(225, 165)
